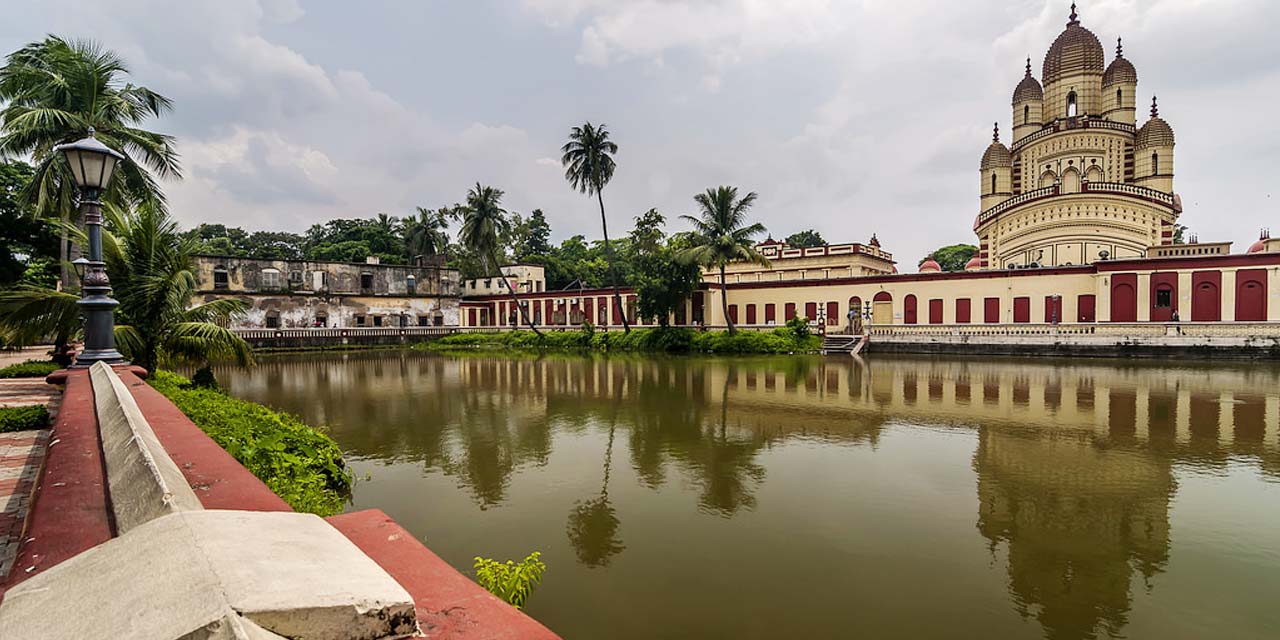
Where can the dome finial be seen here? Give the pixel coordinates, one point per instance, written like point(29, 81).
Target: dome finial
point(1074, 16)
point(1155, 111)
point(1119, 48)
point(1028, 66)
point(995, 133)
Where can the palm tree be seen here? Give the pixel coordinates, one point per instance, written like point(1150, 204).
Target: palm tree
point(722, 235)
point(588, 166)
point(55, 91)
point(483, 220)
point(424, 232)
point(150, 264)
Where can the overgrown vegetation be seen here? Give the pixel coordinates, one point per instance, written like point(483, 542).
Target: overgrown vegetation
point(23, 418)
point(298, 462)
point(795, 337)
point(29, 369)
point(511, 581)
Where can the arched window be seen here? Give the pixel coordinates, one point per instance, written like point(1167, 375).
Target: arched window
point(1026, 114)
point(993, 182)
point(1071, 104)
point(1155, 163)
point(221, 278)
point(1119, 95)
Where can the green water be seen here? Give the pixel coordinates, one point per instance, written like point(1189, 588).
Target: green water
point(809, 497)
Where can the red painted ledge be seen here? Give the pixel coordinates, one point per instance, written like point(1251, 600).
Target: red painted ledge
point(449, 605)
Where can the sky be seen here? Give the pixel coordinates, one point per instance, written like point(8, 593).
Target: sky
point(850, 117)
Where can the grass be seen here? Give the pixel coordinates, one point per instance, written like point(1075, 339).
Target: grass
point(300, 463)
point(655, 340)
point(23, 418)
point(29, 369)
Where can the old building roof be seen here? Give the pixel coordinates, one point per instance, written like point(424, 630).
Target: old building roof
point(1076, 50)
point(1155, 133)
point(1029, 88)
point(1120, 69)
point(996, 155)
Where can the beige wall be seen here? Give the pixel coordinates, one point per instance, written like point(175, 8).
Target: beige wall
point(1074, 229)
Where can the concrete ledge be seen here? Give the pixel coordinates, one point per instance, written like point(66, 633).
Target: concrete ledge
point(214, 574)
point(143, 481)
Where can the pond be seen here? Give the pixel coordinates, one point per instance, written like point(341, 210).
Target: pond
point(812, 497)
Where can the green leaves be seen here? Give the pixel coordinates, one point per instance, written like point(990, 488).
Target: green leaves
point(510, 581)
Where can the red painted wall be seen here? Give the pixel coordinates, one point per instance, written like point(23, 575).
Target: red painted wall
point(1251, 295)
point(909, 309)
point(1087, 308)
point(1022, 309)
point(1164, 282)
point(1053, 309)
point(751, 314)
point(991, 310)
point(811, 310)
point(1124, 297)
point(790, 311)
point(770, 312)
point(935, 311)
point(963, 310)
point(1206, 296)
point(588, 310)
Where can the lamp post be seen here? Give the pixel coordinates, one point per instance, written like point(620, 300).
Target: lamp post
point(91, 166)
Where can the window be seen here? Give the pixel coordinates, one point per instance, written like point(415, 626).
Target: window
point(221, 279)
point(424, 321)
point(273, 319)
point(1164, 298)
point(1026, 114)
point(321, 320)
point(1071, 105)
point(993, 182)
point(366, 281)
point(362, 320)
point(270, 278)
point(377, 321)
point(411, 284)
point(295, 277)
point(1119, 94)
point(1155, 163)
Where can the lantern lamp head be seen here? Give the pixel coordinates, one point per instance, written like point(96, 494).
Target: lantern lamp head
point(92, 162)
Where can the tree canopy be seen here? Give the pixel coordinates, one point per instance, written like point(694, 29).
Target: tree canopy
point(805, 239)
point(952, 257)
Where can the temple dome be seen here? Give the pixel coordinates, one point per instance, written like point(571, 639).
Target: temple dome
point(930, 266)
point(973, 264)
point(1261, 244)
point(1155, 133)
point(996, 155)
point(1076, 50)
point(1120, 69)
point(1028, 89)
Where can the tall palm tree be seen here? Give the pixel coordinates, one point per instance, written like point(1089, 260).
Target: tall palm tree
point(424, 232)
point(588, 166)
point(483, 220)
point(55, 91)
point(722, 235)
point(150, 263)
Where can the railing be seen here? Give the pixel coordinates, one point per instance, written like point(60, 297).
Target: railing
point(1016, 201)
point(1071, 124)
point(1146, 193)
point(1121, 188)
point(344, 332)
point(1109, 329)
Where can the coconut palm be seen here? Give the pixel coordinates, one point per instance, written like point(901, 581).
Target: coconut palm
point(424, 232)
point(150, 264)
point(55, 91)
point(483, 220)
point(722, 235)
point(588, 166)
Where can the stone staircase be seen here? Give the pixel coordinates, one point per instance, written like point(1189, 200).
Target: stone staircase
point(843, 343)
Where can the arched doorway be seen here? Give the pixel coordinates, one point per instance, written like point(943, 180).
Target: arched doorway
point(855, 307)
point(909, 309)
point(1251, 295)
point(882, 308)
point(1206, 296)
point(1124, 297)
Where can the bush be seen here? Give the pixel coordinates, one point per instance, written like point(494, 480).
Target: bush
point(799, 327)
point(29, 369)
point(23, 418)
point(298, 462)
point(656, 340)
point(510, 581)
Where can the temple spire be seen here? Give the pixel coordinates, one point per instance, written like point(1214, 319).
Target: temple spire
point(1075, 18)
point(1028, 66)
point(1119, 48)
point(995, 133)
point(1155, 111)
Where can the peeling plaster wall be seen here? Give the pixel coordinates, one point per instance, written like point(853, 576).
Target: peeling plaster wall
point(299, 311)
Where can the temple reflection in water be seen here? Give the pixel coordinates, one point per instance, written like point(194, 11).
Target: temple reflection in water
point(1076, 463)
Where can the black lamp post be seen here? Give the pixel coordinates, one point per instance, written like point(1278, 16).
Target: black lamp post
point(91, 166)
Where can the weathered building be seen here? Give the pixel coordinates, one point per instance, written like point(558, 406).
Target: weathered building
point(308, 293)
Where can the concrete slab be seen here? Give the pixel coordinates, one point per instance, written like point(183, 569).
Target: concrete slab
point(143, 481)
point(214, 574)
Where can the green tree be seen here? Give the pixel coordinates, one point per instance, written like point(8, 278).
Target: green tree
point(952, 257)
point(533, 242)
point(805, 239)
point(722, 235)
point(150, 263)
point(56, 91)
point(483, 220)
point(425, 234)
point(662, 282)
point(27, 245)
point(588, 161)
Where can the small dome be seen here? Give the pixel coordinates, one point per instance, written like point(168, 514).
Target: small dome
point(973, 264)
point(996, 155)
point(1120, 69)
point(1261, 244)
point(1155, 133)
point(1029, 89)
point(930, 266)
point(1076, 50)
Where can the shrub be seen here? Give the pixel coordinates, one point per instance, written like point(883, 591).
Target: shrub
point(655, 340)
point(298, 462)
point(203, 378)
point(510, 581)
point(29, 369)
point(799, 327)
point(23, 418)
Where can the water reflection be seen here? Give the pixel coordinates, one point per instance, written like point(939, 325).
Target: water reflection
point(1075, 463)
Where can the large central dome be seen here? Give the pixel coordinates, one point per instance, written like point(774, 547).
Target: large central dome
point(1076, 50)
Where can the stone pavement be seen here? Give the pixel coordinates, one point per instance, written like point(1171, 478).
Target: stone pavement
point(21, 456)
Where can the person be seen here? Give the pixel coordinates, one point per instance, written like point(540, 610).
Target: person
point(1175, 315)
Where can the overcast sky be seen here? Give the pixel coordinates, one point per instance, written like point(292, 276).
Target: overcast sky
point(850, 117)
